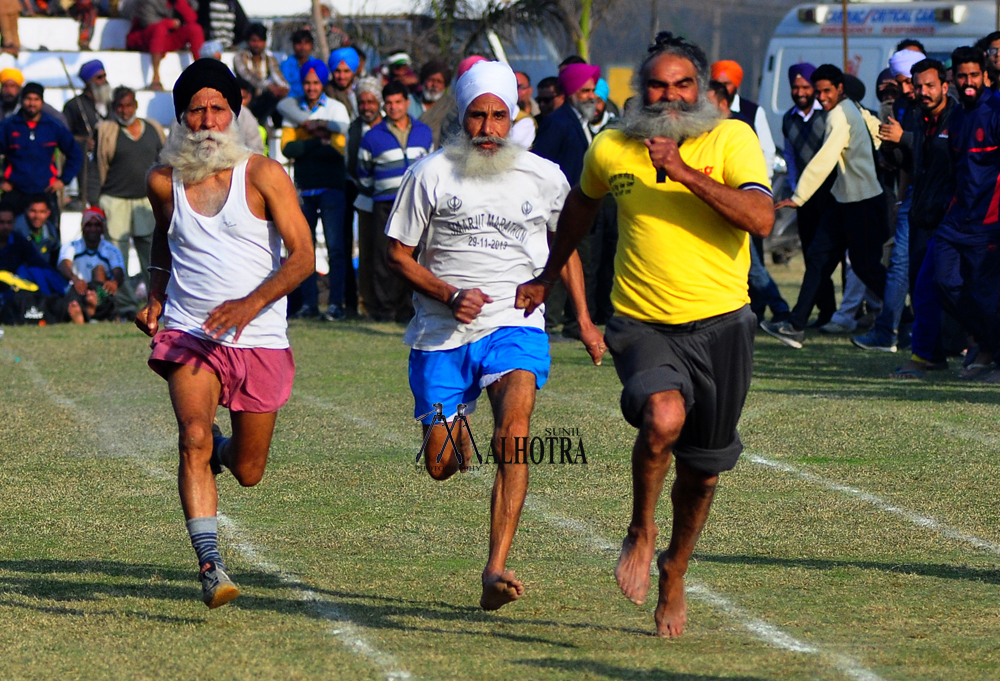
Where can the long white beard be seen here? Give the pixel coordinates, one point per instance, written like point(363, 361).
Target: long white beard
point(675, 120)
point(196, 156)
point(471, 161)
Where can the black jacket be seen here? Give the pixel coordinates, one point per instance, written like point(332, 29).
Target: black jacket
point(561, 139)
point(933, 178)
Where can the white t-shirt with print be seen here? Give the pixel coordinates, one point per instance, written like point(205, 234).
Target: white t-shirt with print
point(488, 233)
point(84, 261)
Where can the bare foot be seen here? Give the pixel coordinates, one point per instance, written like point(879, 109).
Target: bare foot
point(632, 571)
point(499, 590)
point(75, 313)
point(671, 608)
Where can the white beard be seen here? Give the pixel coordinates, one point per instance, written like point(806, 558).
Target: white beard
point(431, 97)
point(196, 156)
point(674, 120)
point(470, 161)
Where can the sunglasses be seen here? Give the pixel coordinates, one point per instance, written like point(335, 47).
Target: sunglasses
point(545, 100)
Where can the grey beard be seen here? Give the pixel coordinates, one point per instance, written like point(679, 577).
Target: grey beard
point(470, 161)
point(102, 94)
point(431, 97)
point(675, 120)
point(196, 156)
point(587, 109)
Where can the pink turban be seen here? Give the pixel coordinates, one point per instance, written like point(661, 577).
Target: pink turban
point(573, 76)
point(466, 64)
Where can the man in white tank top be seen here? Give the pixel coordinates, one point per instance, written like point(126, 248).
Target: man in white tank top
point(218, 286)
point(482, 211)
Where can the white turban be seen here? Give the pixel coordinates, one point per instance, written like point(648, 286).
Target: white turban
point(901, 62)
point(487, 78)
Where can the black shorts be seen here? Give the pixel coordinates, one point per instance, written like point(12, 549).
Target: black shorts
point(709, 361)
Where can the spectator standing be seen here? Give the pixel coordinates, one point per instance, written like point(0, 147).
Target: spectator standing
point(730, 74)
point(10, 10)
point(11, 80)
point(386, 152)
point(434, 78)
point(550, 97)
point(83, 114)
point(344, 63)
point(302, 47)
point(369, 93)
point(320, 173)
point(28, 142)
point(161, 26)
point(525, 126)
point(223, 20)
point(36, 226)
point(856, 220)
point(803, 127)
point(127, 147)
point(258, 66)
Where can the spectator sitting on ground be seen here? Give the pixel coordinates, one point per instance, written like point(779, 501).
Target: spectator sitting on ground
point(258, 66)
point(9, 12)
point(302, 47)
point(222, 20)
point(28, 142)
point(36, 226)
point(92, 263)
point(15, 250)
point(83, 113)
point(127, 147)
point(11, 80)
point(161, 26)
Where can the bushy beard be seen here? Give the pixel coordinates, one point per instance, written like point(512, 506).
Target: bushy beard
point(102, 93)
point(587, 109)
point(196, 156)
point(472, 161)
point(431, 96)
point(676, 120)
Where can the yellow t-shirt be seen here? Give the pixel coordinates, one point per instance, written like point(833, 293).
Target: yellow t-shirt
point(678, 260)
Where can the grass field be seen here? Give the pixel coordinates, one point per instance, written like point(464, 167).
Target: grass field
point(858, 538)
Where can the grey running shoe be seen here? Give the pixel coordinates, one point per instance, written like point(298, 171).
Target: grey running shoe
point(871, 341)
point(833, 328)
point(785, 332)
point(216, 587)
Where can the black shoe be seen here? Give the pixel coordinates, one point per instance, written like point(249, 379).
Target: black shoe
point(784, 332)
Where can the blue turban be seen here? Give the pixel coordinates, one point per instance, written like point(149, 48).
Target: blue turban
point(348, 55)
point(602, 89)
point(319, 67)
point(90, 69)
point(805, 69)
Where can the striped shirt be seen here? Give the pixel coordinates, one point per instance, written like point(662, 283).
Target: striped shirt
point(382, 161)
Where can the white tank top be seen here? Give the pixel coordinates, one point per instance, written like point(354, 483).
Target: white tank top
point(220, 258)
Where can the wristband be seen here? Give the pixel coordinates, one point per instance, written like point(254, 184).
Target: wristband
point(454, 297)
point(549, 282)
point(158, 269)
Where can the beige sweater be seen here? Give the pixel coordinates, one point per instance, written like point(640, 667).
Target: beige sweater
point(847, 146)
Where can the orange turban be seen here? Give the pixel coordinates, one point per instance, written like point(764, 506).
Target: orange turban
point(12, 74)
point(730, 68)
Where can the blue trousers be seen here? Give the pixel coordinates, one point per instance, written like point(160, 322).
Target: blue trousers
point(330, 206)
point(763, 291)
point(897, 280)
point(967, 278)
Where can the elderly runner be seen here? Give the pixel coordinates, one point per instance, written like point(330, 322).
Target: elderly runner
point(218, 283)
point(482, 209)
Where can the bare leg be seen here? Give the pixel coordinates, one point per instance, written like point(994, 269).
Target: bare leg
point(692, 496)
point(663, 419)
point(513, 399)
point(194, 394)
point(156, 58)
point(245, 454)
point(449, 462)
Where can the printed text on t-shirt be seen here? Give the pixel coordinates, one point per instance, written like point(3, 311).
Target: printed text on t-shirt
point(473, 223)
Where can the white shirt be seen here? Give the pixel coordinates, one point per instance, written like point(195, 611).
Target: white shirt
point(85, 261)
point(522, 132)
point(489, 233)
point(763, 134)
point(219, 258)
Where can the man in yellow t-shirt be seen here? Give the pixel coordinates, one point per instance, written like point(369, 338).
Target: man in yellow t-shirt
point(690, 189)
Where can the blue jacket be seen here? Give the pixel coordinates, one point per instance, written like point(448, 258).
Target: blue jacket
point(974, 142)
point(382, 162)
point(28, 154)
point(561, 139)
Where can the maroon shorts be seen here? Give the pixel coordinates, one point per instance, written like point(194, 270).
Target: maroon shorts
point(257, 380)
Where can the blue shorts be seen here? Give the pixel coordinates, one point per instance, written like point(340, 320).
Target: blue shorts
point(457, 376)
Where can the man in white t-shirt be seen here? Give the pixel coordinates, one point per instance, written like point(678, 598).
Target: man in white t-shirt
point(482, 211)
point(95, 268)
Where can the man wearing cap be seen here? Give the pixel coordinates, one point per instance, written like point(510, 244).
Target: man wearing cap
point(11, 80)
point(92, 263)
point(83, 114)
point(730, 74)
point(218, 282)
point(476, 245)
point(259, 67)
point(691, 187)
point(28, 142)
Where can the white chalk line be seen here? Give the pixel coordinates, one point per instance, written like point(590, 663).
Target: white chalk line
point(917, 519)
point(760, 629)
point(341, 627)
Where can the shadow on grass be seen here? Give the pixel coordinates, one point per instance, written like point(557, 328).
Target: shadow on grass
point(610, 671)
point(100, 580)
point(938, 570)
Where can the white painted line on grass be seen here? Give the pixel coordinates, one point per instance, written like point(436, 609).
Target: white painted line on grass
point(341, 627)
point(924, 521)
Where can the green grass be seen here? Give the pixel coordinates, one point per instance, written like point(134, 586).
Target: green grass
point(97, 577)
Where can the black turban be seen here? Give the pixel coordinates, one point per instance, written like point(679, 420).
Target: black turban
point(210, 73)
